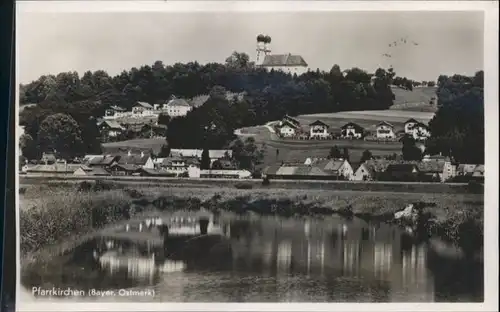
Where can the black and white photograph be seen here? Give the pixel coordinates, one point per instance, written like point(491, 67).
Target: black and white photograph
point(254, 153)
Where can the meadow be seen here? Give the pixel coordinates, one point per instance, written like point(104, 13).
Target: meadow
point(154, 144)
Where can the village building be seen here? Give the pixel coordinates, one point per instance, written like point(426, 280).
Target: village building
point(177, 107)
point(421, 132)
point(110, 130)
point(48, 158)
point(141, 161)
point(124, 169)
point(288, 129)
point(161, 172)
point(115, 112)
point(318, 129)
point(88, 171)
point(352, 131)
point(101, 161)
point(287, 63)
point(197, 153)
point(365, 172)
point(436, 170)
point(401, 172)
point(142, 109)
point(409, 124)
point(55, 168)
point(385, 130)
point(339, 168)
point(179, 165)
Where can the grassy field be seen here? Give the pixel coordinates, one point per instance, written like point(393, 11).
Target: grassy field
point(417, 99)
point(136, 144)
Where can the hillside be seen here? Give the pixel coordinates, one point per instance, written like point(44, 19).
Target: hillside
point(416, 100)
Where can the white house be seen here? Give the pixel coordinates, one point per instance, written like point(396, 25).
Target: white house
point(385, 130)
point(288, 129)
point(352, 130)
point(177, 107)
point(409, 124)
point(318, 129)
point(142, 109)
point(420, 132)
point(288, 63)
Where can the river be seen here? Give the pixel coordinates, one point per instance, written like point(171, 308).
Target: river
point(260, 259)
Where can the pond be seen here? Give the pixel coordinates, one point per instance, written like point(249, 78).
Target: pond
point(259, 259)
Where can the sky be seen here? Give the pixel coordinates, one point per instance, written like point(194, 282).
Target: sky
point(448, 42)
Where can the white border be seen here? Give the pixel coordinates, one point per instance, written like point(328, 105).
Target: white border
point(491, 133)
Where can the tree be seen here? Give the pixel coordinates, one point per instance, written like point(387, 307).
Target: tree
point(205, 159)
point(345, 154)
point(165, 151)
point(367, 155)
point(410, 150)
point(28, 147)
point(335, 153)
point(247, 154)
point(163, 119)
point(431, 84)
point(60, 133)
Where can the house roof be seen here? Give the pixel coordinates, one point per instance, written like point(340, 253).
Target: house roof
point(127, 167)
point(134, 160)
point(318, 123)
point(112, 124)
point(431, 166)
point(290, 60)
point(291, 119)
point(369, 169)
point(352, 124)
point(55, 168)
point(286, 170)
point(271, 170)
point(118, 108)
point(384, 123)
point(178, 102)
point(145, 105)
point(286, 122)
point(401, 168)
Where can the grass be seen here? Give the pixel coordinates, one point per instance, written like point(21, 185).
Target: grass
point(139, 144)
point(67, 213)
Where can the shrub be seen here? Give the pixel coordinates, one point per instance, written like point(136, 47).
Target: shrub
point(243, 186)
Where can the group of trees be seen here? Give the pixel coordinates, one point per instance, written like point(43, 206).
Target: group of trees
point(457, 129)
point(269, 95)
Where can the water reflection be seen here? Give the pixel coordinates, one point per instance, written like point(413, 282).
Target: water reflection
point(265, 259)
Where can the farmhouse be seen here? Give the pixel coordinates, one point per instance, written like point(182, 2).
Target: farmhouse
point(436, 170)
point(385, 130)
point(142, 109)
point(88, 171)
point(288, 63)
point(295, 172)
point(178, 165)
point(318, 129)
point(420, 132)
point(339, 168)
point(401, 172)
point(110, 130)
point(288, 128)
point(177, 107)
point(114, 112)
point(352, 131)
point(365, 172)
point(124, 169)
point(142, 160)
point(409, 124)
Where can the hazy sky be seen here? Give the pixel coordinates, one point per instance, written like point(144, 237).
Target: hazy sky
point(449, 42)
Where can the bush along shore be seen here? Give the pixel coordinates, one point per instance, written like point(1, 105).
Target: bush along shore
point(63, 216)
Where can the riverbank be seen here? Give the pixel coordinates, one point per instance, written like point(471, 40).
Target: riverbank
point(365, 186)
point(50, 215)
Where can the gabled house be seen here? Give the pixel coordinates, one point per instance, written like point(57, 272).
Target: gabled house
point(88, 171)
point(142, 109)
point(401, 172)
point(288, 129)
point(48, 158)
point(421, 132)
point(141, 161)
point(436, 170)
point(110, 130)
point(352, 131)
point(177, 107)
point(365, 172)
point(335, 167)
point(124, 169)
point(409, 124)
point(318, 129)
point(385, 130)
